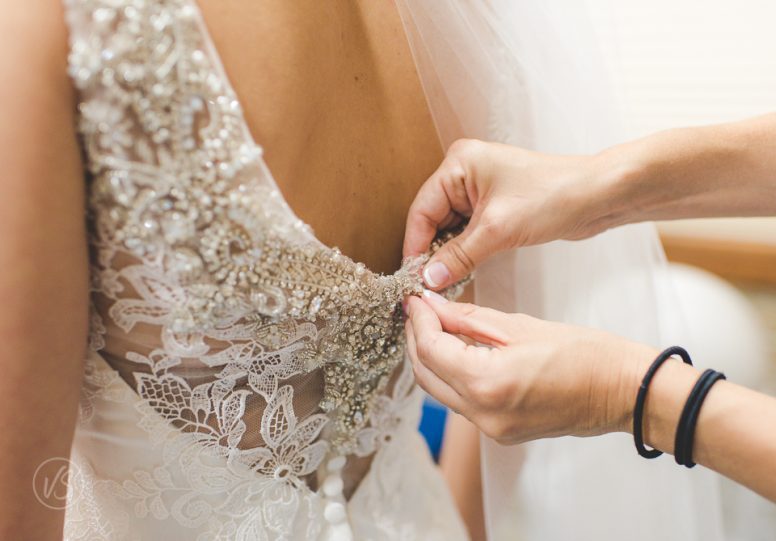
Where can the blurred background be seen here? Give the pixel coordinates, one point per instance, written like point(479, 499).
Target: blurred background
point(691, 62)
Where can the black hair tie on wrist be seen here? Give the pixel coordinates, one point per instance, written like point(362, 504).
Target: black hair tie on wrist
point(685, 430)
point(638, 410)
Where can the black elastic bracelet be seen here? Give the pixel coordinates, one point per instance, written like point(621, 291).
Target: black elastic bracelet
point(638, 409)
point(685, 430)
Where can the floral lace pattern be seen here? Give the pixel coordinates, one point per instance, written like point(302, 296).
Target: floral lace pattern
point(211, 300)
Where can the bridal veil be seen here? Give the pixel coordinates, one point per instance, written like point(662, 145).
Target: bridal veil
point(530, 73)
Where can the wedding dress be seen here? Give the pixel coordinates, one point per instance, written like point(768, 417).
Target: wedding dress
point(245, 382)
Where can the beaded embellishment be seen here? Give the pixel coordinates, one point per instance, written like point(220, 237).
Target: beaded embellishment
point(191, 236)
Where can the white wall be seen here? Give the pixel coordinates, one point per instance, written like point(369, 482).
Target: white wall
point(690, 62)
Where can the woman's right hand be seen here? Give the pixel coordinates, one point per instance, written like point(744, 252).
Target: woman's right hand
point(530, 379)
point(511, 196)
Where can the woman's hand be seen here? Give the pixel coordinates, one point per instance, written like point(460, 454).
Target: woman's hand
point(512, 197)
point(536, 380)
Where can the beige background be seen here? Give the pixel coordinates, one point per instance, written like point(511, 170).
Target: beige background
point(690, 62)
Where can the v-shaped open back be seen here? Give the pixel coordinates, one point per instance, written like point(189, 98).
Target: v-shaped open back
point(339, 109)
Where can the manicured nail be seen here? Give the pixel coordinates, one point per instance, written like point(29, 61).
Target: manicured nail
point(433, 296)
point(436, 274)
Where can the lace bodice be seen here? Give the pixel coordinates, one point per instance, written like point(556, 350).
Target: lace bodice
point(218, 307)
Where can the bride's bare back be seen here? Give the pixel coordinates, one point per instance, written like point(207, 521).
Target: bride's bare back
point(331, 92)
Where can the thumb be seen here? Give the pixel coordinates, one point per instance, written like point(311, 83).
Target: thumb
point(458, 257)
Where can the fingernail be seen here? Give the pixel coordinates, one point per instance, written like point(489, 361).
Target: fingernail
point(405, 308)
point(436, 274)
point(433, 296)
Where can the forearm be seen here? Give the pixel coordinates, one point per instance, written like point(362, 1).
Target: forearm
point(736, 431)
point(43, 270)
point(460, 465)
point(39, 407)
point(710, 171)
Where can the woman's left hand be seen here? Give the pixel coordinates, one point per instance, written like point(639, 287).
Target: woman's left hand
point(531, 379)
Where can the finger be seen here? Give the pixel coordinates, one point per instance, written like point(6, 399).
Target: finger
point(440, 203)
point(484, 325)
point(430, 382)
point(458, 257)
point(451, 359)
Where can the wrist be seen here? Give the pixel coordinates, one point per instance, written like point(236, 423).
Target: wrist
point(665, 401)
point(621, 186)
point(633, 363)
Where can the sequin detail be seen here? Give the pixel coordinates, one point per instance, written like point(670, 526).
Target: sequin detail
point(191, 236)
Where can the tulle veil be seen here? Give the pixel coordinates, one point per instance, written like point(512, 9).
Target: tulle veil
point(530, 73)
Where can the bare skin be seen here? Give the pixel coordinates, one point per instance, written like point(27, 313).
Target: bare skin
point(331, 93)
point(460, 465)
point(543, 379)
point(43, 262)
point(348, 137)
point(516, 197)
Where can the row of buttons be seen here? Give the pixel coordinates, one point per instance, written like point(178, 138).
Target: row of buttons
point(335, 512)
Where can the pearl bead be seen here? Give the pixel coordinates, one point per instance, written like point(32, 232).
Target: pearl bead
point(187, 12)
point(333, 486)
point(197, 56)
point(334, 512)
point(339, 532)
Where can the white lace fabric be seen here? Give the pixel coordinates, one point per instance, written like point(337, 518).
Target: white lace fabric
point(244, 379)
